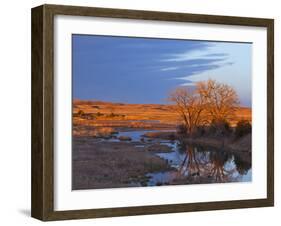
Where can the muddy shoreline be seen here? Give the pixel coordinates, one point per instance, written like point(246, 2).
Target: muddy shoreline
point(116, 160)
point(101, 164)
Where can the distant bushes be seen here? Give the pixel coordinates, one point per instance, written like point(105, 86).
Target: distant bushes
point(243, 127)
point(84, 115)
point(112, 115)
point(80, 113)
point(181, 129)
point(98, 114)
point(104, 132)
point(89, 116)
point(218, 128)
point(96, 132)
point(201, 131)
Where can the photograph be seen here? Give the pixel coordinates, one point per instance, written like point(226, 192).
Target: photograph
point(160, 112)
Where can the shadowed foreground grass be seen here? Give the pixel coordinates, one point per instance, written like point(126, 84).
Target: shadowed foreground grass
point(115, 164)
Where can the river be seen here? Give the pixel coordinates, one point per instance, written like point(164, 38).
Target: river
point(193, 164)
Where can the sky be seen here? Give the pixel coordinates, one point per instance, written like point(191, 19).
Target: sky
point(146, 70)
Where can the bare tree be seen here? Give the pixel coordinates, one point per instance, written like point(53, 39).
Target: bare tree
point(208, 101)
point(189, 105)
point(220, 99)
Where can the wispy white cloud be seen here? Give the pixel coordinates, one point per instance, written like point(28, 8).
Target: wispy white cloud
point(211, 52)
point(200, 63)
point(196, 61)
point(169, 68)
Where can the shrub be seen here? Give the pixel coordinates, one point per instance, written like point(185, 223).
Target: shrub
point(181, 129)
point(104, 132)
point(98, 114)
point(112, 115)
point(219, 127)
point(243, 127)
point(172, 137)
point(200, 131)
point(81, 113)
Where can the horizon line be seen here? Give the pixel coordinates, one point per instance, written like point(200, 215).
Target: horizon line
point(118, 102)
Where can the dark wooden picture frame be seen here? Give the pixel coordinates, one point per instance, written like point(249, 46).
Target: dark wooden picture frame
point(42, 204)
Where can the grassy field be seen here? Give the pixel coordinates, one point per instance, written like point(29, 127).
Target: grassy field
point(120, 115)
point(104, 158)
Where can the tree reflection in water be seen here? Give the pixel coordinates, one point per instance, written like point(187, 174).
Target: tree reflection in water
point(209, 165)
point(218, 171)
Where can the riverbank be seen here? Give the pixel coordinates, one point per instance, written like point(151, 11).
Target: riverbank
point(102, 164)
point(243, 144)
point(129, 145)
point(152, 158)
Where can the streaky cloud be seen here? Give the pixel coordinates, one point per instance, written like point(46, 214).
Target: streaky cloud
point(169, 68)
point(216, 55)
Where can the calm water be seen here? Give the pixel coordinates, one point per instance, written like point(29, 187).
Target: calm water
point(195, 164)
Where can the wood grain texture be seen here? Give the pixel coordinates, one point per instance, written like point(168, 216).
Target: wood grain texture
point(42, 113)
point(37, 159)
point(43, 108)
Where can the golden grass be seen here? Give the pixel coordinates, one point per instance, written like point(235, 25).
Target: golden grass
point(136, 115)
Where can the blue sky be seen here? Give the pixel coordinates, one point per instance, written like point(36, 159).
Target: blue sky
point(146, 70)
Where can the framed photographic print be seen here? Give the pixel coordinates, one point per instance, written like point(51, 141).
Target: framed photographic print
point(141, 112)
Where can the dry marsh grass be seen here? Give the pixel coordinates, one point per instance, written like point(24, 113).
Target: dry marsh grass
point(106, 114)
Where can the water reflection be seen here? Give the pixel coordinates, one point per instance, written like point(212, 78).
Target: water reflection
point(194, 164)
point(197, 164)
point(219, 171)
